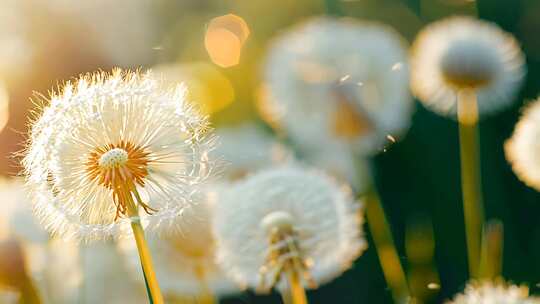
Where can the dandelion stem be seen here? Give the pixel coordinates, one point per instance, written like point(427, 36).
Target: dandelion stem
point(470, 176)
point(385, 246)
point(296, 293)
point(29, 293)
point(144, 253)
point(492, 250)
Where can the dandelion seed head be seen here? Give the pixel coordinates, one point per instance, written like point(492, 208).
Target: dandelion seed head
point(463, 53)
point(108, 141)
point(336, 80)
point(488, 293)
point(255, 219)
point(522, 149)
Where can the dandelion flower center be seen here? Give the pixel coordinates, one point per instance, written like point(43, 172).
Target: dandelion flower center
point(120, 168)
point(113, 158)
point(284, 255)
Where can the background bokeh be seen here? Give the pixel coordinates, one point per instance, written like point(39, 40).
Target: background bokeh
point(45, 42)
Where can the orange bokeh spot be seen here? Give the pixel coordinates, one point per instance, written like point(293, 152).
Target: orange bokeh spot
point(224, 39)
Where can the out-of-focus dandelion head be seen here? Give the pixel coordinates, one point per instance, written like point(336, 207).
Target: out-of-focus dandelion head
point(247, 148)
point(111, 144)
point(287, 219)
point(185, 261)
point(462, 53)
point(339, 80)
point(490, 293)
point(522, 149)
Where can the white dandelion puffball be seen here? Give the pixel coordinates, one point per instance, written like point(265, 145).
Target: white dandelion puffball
point(185, 261)
point(460, 53)
point(326, 223)
point(523, 147)
point(494, 293)
point(339, 80)
point(112, 143)
point(247, 148)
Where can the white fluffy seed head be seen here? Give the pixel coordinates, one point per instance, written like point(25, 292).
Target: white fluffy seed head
point(338, 81)
point(491, 292)
point(523, 148)
point(327, 223)
point(170, 142)
point(113, 158)
point(465, 53)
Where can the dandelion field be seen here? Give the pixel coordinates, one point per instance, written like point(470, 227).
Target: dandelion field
point(330, 151)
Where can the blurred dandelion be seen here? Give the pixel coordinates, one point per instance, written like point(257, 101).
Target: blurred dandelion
point(110, 145)
point(465, 54)
point(494, 292)
point(522, 146)
point(185, 260)
point(290, 225)
point(248, 148)
point(313, 73)
point(469, 67)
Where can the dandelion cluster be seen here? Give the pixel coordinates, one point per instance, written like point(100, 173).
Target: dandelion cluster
point(129, 158)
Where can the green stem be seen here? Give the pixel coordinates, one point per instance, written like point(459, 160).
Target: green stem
point(386, 249)
point(470, 177)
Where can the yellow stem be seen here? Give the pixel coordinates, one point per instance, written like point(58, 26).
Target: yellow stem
point(492, 250)
point(29, 293)
point(470, 177)
point(386, 250)
point(296, 293)
point(144, 252)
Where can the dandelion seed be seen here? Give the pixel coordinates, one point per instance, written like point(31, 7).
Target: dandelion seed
point(488, 292)
point(462, 53)
point(397, 67)
point(309, 72)
point(344, 78)
point(300, 220)
point(391, 138)
point(433, 286)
